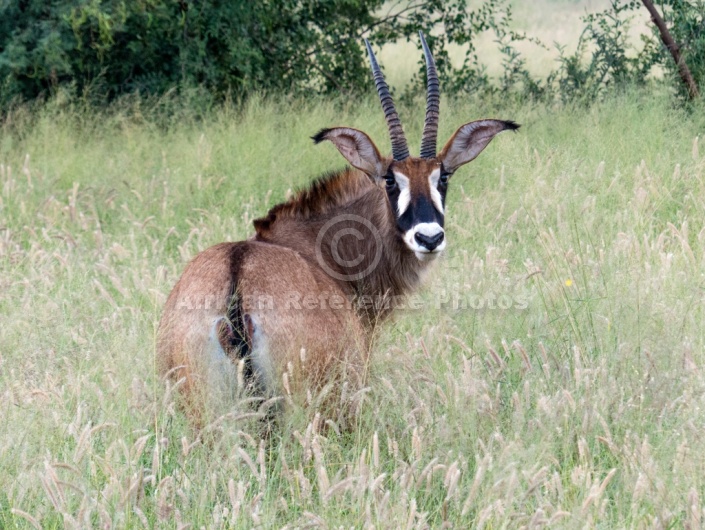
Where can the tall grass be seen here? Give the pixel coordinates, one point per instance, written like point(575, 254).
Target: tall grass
point(582, 402)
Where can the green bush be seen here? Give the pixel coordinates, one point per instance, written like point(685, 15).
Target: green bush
point(101, 49)
point(112, 47)
point(105, 48)
point(612, 62)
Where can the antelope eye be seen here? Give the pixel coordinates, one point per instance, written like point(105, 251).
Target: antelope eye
point(444, 178)
point(390, 180)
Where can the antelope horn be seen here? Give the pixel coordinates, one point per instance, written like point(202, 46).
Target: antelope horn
point(400, 150)
point(433, 98)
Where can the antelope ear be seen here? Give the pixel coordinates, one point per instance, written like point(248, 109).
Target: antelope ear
point(470, 140)
point(357, 148)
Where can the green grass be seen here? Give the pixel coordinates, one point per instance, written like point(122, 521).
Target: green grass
point(581, 404)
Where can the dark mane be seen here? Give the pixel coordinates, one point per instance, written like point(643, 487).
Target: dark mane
point(322, 195)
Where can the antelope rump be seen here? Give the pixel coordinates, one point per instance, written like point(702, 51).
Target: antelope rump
point(293, 309)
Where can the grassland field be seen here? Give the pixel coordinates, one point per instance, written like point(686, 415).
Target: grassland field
point(552, 375)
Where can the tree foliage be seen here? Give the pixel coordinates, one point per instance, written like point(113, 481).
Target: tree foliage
point(686, 20)
point(112, 47)
point(605, 58)
point(102, 49)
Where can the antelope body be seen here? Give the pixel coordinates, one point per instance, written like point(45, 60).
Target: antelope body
point(279, 304)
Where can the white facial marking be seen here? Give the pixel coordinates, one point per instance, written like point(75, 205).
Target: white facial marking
point(435, 194)
point(427, 229)
point(404, 193)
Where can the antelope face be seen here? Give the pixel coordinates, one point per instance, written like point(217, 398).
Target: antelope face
point(416, 189)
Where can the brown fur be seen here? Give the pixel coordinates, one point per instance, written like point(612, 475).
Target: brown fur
point(418, 171)
point(297, 222)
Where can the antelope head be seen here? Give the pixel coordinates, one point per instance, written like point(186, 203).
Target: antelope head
point(416, 187)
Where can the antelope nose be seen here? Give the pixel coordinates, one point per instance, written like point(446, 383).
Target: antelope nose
point(430, 242)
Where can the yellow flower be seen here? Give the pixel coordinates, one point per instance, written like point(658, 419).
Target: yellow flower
point(568, 282)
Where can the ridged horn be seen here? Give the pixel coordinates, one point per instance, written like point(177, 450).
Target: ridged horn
point(400, 150)
point(433, 99)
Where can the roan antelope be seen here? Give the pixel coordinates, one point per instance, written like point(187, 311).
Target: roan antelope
point(295, 305)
